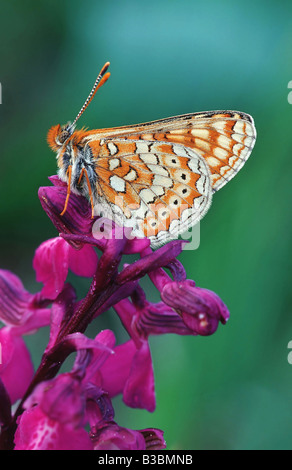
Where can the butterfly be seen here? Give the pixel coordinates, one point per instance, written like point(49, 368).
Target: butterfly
point(157, 177)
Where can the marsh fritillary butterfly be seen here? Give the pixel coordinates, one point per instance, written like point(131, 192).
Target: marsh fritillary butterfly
point(158, 177)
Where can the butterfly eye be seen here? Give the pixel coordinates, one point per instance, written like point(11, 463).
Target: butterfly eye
point(63, 136)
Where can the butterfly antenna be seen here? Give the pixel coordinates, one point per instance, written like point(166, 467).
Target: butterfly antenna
point(101, 79)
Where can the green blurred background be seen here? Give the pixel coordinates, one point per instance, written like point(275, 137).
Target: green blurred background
point(168, 57)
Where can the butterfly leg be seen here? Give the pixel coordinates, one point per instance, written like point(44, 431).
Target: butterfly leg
point(69, 173)
point(81, 175)
point(84, 172)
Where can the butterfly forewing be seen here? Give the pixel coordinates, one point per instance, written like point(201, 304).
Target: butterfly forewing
point(158, 188)
point(224, 139)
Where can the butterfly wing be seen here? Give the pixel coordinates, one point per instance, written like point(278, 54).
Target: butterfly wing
point(224, 139)
point(159, 189)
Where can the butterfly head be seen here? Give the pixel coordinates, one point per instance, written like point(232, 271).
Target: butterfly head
point(59, 135)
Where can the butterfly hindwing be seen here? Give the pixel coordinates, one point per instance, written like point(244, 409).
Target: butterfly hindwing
point(160, 189)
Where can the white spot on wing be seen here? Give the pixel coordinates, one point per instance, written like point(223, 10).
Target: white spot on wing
point(163, 181)
point(148, 158)
point(112, 148)
point(219, 126)
point(158, 190)
point(238, 138)
point(117, 183)
point(114, 163)
point(249, 129)
point(147, 195)
point(239, 127)
point(220, 153)
point(179, 150)
point(201, 133)
point(224, 142)
point(158, 170)
point(248, 141)
point(142, 147)
point(131, 176)
point(212, 161)
point(202, 184)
